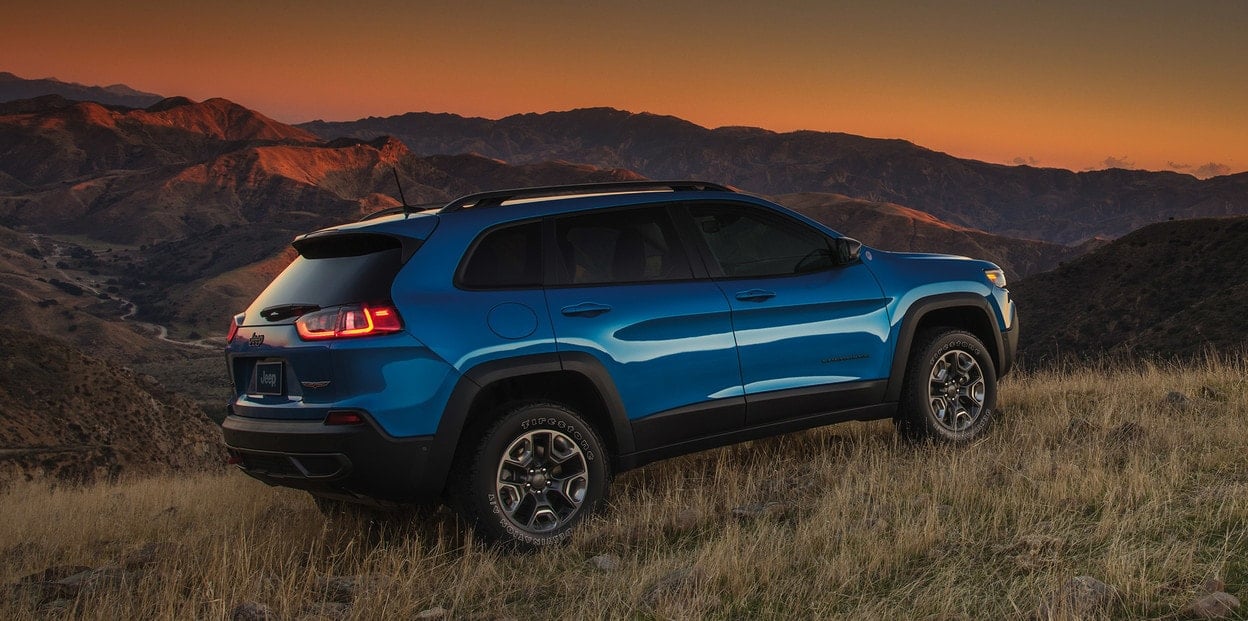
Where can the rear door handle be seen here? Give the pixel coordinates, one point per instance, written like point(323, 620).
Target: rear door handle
point(585, 309)
point(755, 295)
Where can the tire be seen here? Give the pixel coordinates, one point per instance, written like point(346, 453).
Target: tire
point(950, 389)
point(531, 476)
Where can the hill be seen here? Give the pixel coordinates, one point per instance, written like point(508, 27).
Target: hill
point(1017, 201)
point(13, 87)
point(92, 420)
point(1169, 289)
point(893, 227)
point(1089, 473)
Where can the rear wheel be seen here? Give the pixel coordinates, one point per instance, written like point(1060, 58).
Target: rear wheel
point(950, 392)
point(533, 475)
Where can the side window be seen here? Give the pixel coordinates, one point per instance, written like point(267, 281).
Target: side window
point(634, 245)
point(506, 258)
point(751, 242)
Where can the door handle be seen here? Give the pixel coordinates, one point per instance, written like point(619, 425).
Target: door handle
point(585, 309)
point(755, 295)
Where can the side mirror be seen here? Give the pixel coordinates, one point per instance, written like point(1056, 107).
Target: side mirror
point(846, 250)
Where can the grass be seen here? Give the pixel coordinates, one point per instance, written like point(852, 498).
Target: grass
point(1145, 492)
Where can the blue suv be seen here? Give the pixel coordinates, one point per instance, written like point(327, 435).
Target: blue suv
point(511, 351)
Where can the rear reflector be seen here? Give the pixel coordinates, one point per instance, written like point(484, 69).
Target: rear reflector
point(344, 418)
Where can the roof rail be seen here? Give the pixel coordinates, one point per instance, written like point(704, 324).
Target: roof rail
point(494, 199)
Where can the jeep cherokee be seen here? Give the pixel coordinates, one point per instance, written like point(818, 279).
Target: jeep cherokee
point(511, 351)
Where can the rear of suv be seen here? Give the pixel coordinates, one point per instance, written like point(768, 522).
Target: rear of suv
point(511, 351)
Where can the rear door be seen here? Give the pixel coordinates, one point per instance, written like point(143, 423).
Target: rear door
point(627, 295)
point(810, 334)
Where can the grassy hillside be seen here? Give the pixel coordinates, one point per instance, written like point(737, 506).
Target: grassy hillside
point(1091, 472)
point(1169, 289)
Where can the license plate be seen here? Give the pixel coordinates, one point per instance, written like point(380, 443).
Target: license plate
point(269, 378)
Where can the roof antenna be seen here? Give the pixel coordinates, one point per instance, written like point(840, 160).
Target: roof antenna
point(407, 209)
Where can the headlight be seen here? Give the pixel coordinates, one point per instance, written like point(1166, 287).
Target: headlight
point(996, 277)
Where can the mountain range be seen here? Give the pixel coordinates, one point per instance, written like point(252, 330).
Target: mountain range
point(1017, 201)
point(13, 87)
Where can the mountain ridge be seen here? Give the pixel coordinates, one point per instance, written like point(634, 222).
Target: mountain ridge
point(13, 87)
point(1018, 201)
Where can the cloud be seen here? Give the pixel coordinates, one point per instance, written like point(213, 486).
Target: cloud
point(1178, 166)
point(1212, 169)
point(1026, 160)
point(1117, 162)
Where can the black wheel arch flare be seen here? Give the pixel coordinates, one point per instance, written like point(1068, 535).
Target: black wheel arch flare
point(479, 378)
point(914, 317)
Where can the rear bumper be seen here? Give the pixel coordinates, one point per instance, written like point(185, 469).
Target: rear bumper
point(356, 462)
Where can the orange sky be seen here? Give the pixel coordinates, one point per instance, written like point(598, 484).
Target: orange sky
point(1156, 85)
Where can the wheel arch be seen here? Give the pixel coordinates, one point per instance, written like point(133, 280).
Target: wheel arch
point(963, 311)
point(576, 380)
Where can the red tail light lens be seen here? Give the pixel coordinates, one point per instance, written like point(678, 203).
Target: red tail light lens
point(348, 321)
point(229, 335)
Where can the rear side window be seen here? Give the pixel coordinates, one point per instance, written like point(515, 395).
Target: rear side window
point(633, 245)
point(752, 242)
point(330, 272)
point(506, 258)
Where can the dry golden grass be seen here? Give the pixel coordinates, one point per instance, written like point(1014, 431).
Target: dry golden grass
point(1146, 493)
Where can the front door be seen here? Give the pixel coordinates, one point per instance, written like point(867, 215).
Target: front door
point(810, 333)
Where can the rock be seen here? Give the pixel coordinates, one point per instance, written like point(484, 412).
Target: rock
point(671, 582)
point(1217, 605)
point(604, 562)
point(1212, 394)
point(338, 589)
point(253, 611)
point(1080, 596)
point(148, 554)
point(1213, 585)
point(437, 612)
point(344, 589)
point(57, 607)
point(1178, 400)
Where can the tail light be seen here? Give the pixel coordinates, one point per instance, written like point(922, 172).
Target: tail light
point(348, 321)
point(229, 335)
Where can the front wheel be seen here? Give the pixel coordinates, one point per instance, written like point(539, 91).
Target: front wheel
point(950, 392)
point(533, 475)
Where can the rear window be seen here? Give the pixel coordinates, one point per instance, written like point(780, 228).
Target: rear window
point(506, 258)
point(331, 272)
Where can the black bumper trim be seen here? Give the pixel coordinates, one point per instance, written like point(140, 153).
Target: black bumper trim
point(359, 461)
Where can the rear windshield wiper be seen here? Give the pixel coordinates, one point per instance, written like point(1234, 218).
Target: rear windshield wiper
point(286, 311)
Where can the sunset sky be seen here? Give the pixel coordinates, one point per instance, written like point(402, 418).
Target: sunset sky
point(1079, 85)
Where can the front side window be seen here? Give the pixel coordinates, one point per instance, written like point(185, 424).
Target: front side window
point(752, 242)
point(633, 245)
point(506, 258)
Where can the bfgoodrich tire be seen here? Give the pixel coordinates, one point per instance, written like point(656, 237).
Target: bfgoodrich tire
point(531, 476)
point(950, 390)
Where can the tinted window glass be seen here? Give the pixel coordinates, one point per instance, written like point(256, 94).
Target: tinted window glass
point(358, 277)
point(753, 242)
point(634, 245)
point(506, 258)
